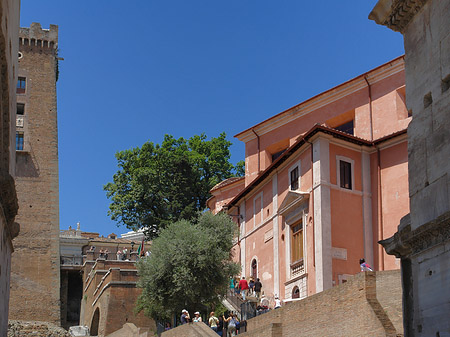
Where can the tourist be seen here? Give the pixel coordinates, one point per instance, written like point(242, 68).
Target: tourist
point(243, 285)
point(233, 322)
point(251, 284)
point(197, 317)
point(364, 265)
point(168, 326)
point(102, 253)
point(119, 254)
point(213, 321)
point(232, 285)
point(106, 252)
point(236, 286)
point(257, 288)
point(124, 254)
point(277, 302)
point(264, 301)
point(185, 318)
point(220, 326)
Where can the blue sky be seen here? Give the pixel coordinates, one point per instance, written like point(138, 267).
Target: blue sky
point(136, 70)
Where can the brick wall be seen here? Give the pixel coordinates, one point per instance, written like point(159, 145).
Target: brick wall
point(109, 288)
point(35, 263)
point(9, 25)
point(368, 304)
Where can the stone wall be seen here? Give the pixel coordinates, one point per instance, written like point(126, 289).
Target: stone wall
point(35, 329)
point(9, 29)
point(423, 238)
point(368, 304)
point(191, 330)
point(35, 263)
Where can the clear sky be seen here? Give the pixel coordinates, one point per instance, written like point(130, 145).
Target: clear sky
point(138, 69)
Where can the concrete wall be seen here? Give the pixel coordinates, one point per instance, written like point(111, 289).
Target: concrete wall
point(9, 29)
point(35, 263)
point(369, 304)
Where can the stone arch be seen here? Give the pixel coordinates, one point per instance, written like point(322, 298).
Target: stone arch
point(95, 322)
point(296, 292)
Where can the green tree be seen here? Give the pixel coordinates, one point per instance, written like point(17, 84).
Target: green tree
point(160, 184)
point(189, 266)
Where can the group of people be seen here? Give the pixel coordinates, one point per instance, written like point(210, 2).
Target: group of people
point(231, 323)
point(243, 287)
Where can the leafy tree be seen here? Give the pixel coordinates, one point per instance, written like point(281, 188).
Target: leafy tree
point(189, 266)
point(160, 184)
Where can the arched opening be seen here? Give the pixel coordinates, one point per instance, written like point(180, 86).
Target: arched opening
point(295, 292)
point(94, 323)
point(254, 269)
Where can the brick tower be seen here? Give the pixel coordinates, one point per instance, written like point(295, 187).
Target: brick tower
point(35, 279)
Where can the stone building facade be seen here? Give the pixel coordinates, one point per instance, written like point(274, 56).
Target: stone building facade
point(423, 237)
point(324, 181)
point(35, 268)
point(9, 30)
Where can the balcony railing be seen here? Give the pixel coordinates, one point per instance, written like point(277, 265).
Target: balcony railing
point(297, 268)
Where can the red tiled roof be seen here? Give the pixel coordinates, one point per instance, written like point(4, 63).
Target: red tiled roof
point(226, 182)
point(298, 144)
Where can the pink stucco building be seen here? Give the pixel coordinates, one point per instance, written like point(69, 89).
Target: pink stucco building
point(324, 181)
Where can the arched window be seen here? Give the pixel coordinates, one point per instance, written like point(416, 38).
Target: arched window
point(254, 269)
point(95, 322)
point(295, 292)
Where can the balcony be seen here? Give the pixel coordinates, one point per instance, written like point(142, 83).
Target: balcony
point(297, 268)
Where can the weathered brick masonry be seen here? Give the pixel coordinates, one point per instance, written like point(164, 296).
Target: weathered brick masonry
point(369, 304)
point(109, 297)
point(9, 26)
point(35, 262)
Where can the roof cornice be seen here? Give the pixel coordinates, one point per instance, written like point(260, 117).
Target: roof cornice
point(325, 98)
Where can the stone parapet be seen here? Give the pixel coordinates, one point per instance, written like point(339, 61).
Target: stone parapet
point(35, 36)
point(369, 303)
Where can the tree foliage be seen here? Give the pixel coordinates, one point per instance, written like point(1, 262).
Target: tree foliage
point(160, 184)
point(189, 266)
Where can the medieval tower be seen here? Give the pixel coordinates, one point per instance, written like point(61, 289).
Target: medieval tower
point(35, 280)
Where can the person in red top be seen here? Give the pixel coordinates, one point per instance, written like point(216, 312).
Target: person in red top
point(243, 285)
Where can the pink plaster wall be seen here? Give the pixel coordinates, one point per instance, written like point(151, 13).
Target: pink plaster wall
point(379, 114)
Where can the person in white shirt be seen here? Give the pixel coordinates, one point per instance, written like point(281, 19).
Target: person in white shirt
point(277, 302)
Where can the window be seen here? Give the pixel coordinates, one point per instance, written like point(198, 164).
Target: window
point(297, 242)
point(20, 109)
point(21, 85)
point(19, 141)
point(296, 292)
point(294, 177)
point(275, 156)
point(346, 127)
point(345, 172)
point(254, 269)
